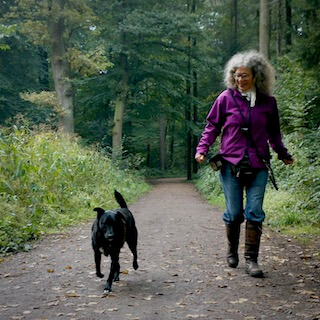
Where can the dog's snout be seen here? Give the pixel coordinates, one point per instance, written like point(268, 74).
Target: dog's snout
point(110, 237)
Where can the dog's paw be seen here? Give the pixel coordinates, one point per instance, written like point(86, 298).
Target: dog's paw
point(135, 265)
point(100, 275)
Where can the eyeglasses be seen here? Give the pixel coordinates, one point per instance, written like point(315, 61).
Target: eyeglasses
point(244, 76)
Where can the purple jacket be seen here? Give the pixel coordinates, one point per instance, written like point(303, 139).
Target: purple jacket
point(264, 128)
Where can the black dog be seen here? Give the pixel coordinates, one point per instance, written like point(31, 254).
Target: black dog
point(110, 231)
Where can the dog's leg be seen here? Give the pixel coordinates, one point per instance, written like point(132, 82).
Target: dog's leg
point(114, 271)
point(97, 259)
point(132, 243)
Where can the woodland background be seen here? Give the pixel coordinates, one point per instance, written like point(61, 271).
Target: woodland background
point(130, 82)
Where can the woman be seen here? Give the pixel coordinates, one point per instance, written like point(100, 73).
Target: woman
point(247, 115)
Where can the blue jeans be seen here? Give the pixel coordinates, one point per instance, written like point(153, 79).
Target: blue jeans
point(234, 190)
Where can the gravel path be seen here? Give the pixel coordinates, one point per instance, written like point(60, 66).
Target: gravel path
point(182, 274)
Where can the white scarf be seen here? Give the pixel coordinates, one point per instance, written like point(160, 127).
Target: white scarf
point(250, 95)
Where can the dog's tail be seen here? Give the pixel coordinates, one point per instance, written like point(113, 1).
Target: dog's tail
point(120, 199)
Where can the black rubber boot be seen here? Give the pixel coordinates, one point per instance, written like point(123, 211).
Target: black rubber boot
point(233, 234)
point(252, 245)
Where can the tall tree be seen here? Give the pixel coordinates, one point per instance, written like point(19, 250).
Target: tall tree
point(123, 88)
point(56, 25)
point(279, 25)
point(234, 27)
point(289, 24)
point(53, 24)
point(264, 38)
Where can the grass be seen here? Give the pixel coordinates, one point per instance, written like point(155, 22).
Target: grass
point(48, 183)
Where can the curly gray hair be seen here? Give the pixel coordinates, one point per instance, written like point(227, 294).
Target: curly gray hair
point(261, 69)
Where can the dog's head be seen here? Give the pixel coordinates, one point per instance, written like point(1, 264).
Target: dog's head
point(110, 224)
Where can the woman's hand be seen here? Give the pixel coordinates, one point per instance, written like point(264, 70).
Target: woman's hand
point(201, 158)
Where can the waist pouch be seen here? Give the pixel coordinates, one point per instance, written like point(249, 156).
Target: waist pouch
point(243, 171)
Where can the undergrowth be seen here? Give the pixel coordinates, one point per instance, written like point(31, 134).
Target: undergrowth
point(48, 182)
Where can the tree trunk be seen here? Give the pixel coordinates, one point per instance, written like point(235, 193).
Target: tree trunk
point(163, 148)
point(289, 24)
point(120, 106)
point(122, 96)
point(264, 39)
point(148, 156)
point(61, 72)
point(117, 130)
point(172, 144)
point(234, 27)
point(188, 118)
point(279, 28)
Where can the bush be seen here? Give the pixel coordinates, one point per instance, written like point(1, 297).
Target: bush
point(48, 182)
point(299, 184)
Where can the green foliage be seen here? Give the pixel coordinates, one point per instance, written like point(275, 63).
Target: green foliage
point(298, 95)
point(301, 183)
point(48, 182)
point(209, 185)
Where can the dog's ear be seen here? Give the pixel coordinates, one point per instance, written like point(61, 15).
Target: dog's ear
point(120, 217)
point(100, 212)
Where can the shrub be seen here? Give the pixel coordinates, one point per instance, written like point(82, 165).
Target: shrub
point(48, 182)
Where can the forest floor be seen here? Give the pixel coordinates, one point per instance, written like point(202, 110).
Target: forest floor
point(182, 271)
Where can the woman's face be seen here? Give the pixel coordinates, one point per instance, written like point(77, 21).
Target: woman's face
point(244, 79)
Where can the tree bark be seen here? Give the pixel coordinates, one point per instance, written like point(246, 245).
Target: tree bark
point(120, 106)
point(188, 116)
point(279, 28)
point(122, 96)
point(61, 72)
point(234, 27)
point(289, 24)
point(264, 39)
point(163, 144)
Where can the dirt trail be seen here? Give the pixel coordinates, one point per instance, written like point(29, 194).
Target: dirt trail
point(182, 275)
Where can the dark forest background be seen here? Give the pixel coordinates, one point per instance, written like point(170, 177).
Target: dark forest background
point(136, 78)
point(142, 75)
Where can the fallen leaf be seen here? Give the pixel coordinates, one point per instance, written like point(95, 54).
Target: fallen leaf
point(196, 316)
point(211, 302)
point(53, 303)
point(100, 311)
point(50, 270)
point(241, 300)
point(71, 294)
point(147, 298)
point(68, 267)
